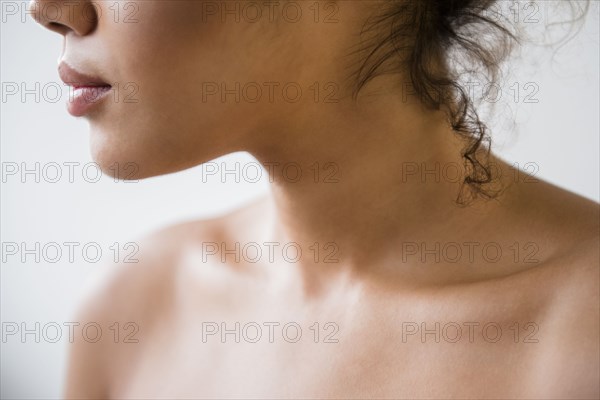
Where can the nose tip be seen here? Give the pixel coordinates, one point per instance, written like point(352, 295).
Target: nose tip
point(64, 16)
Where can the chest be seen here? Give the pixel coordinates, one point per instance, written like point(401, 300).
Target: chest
point(301, 358)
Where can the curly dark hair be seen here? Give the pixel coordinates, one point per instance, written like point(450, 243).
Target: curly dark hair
point(435, 43)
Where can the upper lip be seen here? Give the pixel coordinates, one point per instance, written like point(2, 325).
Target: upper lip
point(76, 79)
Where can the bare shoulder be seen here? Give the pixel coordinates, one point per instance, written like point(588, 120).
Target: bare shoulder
point(566, 223)
point(571, 336)
point(133, 299)
point(161, 253)
point(570, 224)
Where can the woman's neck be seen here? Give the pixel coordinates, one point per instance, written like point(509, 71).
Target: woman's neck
point(362, 178)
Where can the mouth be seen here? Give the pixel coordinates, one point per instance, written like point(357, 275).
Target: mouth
point(87, 91)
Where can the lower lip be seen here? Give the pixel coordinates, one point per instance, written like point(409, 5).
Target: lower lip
point(83, 99)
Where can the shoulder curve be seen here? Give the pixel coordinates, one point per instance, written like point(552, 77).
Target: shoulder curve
point(128, 292)
point(126, 283)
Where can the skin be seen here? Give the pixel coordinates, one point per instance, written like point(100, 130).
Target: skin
point(373, 293)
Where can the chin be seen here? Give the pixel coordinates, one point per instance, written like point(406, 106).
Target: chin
point(120, 159)
point(125, 150)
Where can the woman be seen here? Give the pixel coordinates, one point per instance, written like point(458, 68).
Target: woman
point(370, 271)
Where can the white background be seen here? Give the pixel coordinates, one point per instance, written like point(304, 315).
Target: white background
point(559, 134)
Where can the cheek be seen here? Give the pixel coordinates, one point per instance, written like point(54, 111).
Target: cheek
point(158, 64)
point(169, 63)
